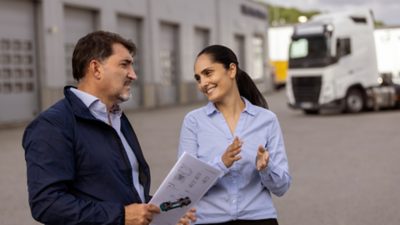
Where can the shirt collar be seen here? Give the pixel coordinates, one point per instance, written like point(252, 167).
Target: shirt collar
point(249, 108)
point(94, 103)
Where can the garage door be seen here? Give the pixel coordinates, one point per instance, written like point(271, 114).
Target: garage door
point(78, 23)
point(18, 85)
point(201, 40)
point(169, 56)
point(130, 28)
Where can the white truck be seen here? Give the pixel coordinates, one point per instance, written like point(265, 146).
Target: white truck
point(387, 42)
point(333, 64)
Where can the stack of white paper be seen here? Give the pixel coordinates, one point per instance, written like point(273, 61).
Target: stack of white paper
point(185, 184)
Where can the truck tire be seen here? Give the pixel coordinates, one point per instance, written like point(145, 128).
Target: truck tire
point(354, 101)
point(311, 111)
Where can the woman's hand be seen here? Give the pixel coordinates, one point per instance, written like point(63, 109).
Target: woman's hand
point(189, 217)
point(231, 154)
point(262, 158)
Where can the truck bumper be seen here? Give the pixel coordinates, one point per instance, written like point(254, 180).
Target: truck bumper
point(337, 104)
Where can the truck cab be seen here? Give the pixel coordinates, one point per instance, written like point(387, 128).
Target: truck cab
point(332, 62)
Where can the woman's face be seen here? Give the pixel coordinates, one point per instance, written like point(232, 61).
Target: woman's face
point(213, 79)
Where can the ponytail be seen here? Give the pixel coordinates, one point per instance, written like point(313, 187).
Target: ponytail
point(248, 89)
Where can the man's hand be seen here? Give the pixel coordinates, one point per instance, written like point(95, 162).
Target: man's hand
point(231, 154)
point(140, 214)
point(262, 158)
point(190, 216)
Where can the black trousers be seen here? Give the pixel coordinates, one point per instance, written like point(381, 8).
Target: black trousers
point(247, 222)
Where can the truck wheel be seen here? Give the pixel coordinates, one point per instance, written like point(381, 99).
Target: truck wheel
point(354, 102)
point(311, 111)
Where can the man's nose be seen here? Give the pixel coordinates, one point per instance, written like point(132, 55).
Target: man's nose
point(132, 74)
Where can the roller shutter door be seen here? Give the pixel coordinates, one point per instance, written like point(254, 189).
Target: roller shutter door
point(169, 56)
point(78, 23)
point(18, 75)
point(130, 28)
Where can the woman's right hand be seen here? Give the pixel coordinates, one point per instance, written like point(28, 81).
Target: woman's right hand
point(231, 154)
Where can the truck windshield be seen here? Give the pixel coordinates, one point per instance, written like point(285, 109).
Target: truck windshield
point(309, 51)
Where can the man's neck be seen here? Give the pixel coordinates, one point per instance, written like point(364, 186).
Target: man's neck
point(110, 105)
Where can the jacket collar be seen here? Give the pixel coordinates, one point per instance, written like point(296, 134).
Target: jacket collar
point(78, 107)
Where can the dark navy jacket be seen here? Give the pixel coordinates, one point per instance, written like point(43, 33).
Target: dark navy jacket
point(78, 171)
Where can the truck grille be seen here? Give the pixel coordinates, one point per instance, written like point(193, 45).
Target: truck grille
point(306, 89)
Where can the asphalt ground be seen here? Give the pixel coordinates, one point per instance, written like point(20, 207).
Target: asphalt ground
point(345, 168)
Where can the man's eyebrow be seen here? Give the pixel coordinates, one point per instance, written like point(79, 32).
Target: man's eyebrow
point(127, 61)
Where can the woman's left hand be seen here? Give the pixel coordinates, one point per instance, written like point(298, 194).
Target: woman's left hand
point(190, 216)
point(262, 158)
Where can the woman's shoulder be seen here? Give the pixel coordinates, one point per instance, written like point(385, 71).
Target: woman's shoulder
point(261, 111)
point(204, 110)
point(196, 113)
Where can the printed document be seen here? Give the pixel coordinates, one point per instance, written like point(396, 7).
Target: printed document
point(185, 184)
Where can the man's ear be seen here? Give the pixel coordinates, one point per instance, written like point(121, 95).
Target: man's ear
point(232, 70)
point(94, 69)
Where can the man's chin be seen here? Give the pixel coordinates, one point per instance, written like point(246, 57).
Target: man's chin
point(125, 97)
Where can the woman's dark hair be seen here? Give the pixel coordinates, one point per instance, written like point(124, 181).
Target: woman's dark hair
point(96, 45)
point(247, 88)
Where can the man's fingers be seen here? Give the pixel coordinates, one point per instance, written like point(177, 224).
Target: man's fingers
point(153, 208)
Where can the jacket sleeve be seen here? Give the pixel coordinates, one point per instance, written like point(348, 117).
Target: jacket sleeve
point(50, 159)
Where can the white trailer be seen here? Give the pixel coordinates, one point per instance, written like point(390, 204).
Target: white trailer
point(279, 39)
point(387, 42)
point(333, 64)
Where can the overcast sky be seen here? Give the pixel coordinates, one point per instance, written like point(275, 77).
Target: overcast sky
point(387, 11)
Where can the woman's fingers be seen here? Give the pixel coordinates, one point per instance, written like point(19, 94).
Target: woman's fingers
point(262, 158)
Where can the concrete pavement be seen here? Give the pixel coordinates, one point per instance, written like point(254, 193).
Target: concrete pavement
point(344, 167)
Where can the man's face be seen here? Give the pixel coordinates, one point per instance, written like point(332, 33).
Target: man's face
point(117, 75)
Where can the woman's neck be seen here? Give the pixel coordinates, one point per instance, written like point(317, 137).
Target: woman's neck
point(231, 108)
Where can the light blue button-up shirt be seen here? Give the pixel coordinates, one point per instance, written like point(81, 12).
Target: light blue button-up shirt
point(241, 192)
point(99, 111)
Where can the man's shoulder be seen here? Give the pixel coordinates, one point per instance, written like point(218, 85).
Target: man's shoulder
point(55, 119)
point(58, 114)
point(59, 109)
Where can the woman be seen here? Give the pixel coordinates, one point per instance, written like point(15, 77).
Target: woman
point(236, 133)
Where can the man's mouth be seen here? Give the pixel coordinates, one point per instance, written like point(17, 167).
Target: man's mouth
point(128, 83)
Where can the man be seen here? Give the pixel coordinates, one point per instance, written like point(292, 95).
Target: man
point(84, 162)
